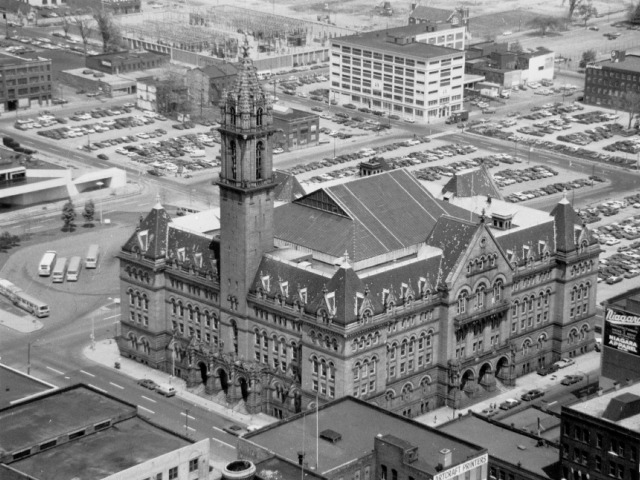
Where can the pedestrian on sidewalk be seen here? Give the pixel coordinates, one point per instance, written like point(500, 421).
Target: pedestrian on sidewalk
point(435, 419)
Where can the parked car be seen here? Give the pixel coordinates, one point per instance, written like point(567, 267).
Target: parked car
point(532, 394)
point(234, 429)
point(147, 383)
point(509, 403)
point(102, 156)
point(350, 106)
point(565, 362)
point(490, 412)
point(543, 371)
point(571, 379)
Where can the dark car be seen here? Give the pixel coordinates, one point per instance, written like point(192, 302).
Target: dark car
point(393, 116)
point(543, 371)
point(350, 106)
point(102, 156)
point(155, 173)
point(147, 383)
point(234, 429)
point(316, 109)
point(571, 379)
point(532, 394)
point(509, 403)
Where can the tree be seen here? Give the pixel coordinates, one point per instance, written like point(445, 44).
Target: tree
point(8, 241)
point(586, 11)
point(633, 13)
point(68, 215)
point(545, 23)
point(587, 57)
point(109, 31)
point(85, 29)
point(516, 47)
point(573, 4)
point(89, 211)
point(66, 25)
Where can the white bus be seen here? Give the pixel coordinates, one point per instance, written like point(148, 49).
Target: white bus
point(59, 270)
point(46, 264)
point(31, 305)
point(92, 257)
point(8, 289)
point(75, 265)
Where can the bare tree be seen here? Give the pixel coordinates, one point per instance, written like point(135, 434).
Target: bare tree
point(545, 23)
point(85, 29)
point(109, 31)
point(629, 102)
point(66, 25)
point(586, 11)
point(573, 4)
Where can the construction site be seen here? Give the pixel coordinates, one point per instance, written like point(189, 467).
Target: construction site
point(202, 36)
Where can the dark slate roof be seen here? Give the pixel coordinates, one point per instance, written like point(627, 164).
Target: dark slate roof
point(366, 217)
point(468, 183)
point(156, 224)
point(436, 15)
point(288, 187)
point(516, 239)
point(565, 221)
point(453, 236)
point(220, 70)
point(342, 287)
point(199, 254)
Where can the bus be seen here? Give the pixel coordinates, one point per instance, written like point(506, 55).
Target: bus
point(46, 264)
point(75, 265)
point(31, 305)
point(59, 270)
point(8, 289)
point(92, 257)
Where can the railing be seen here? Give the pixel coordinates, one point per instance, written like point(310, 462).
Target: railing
point(468, 317)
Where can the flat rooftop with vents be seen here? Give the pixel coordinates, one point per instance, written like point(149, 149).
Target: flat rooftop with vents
point(78, 432)
point(621, 407)
point(348, 430)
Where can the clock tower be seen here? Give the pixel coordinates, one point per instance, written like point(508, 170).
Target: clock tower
point(246, 197)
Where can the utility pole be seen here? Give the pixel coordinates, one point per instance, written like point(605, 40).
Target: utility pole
point(29, 358)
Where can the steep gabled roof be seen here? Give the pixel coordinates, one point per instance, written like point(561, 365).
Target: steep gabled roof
point(453, 236)
point(366, 217)
point(475, 181)
point(150, 239)
point(566, 220)
point(288, 187)
point(191, 250)
point(517, 239)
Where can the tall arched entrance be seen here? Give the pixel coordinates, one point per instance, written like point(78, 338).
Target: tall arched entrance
point(224, 380)
point(244, 388)
point(486, 378)
point(203, 372)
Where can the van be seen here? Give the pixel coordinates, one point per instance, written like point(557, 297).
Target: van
point(166, 390)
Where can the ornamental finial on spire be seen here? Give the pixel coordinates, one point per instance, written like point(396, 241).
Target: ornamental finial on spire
point(245, 47)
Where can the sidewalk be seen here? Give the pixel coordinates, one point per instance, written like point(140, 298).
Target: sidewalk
point(20, 323)
point(106, 353)
point(587, 365)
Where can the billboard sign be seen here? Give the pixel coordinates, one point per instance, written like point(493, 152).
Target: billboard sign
point(622, 332)
point(463, 468)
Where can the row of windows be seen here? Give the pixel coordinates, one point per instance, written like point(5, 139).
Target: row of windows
point(25, 70)
point(172, 474)
point(279, 320)
point(479, 296)
point(531, 280)
point(207, 337)
point(210, 319)
point(193, 289)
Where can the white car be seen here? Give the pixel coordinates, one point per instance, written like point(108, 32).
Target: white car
point(409, 120)
point(278, 150)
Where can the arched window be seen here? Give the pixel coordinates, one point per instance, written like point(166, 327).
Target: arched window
point(462, 302)
point(232, 115)
point(480, 292)
point(234, 159)
point(259, 117)
point(497, 291)
point(526, 346)
point(259, 149)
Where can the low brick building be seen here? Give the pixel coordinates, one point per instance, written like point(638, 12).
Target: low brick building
point(206, 84)
point(128, 61)
point(295, 128)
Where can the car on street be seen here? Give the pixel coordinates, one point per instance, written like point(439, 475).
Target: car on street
point(234, 429)
point(509, 403)
point(393, 116)
point(350, 106)
point(316, 109)
point(147, 383)
point(532, 394)
point(278, 150)
point(409, 120)
point(102, 156)
point(490, 412)
point(571, 379)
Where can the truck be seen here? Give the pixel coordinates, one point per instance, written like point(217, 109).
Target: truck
point(457, 117)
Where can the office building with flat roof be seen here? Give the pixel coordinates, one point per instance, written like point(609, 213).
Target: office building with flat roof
point(601, 436)
point(405, 71)
point(341, 440)
point(606, 82)
point(24, 83)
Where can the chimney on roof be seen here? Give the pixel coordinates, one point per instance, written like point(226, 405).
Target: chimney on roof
point(445, 457)
point(239, 470)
